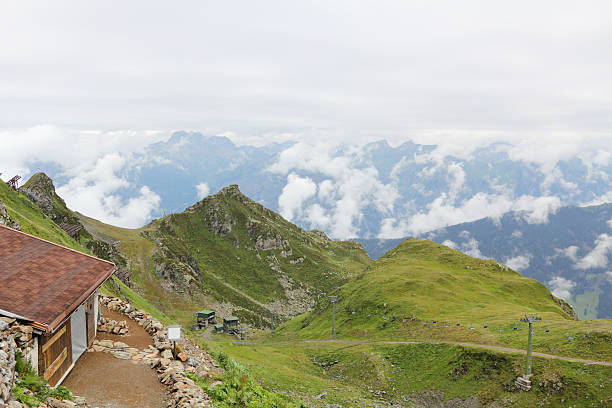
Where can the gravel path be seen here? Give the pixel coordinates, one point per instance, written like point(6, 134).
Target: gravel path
point(454, 343)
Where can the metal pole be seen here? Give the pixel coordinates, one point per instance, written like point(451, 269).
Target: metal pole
point(334, 318)
point(530, 318)
point(529, 350)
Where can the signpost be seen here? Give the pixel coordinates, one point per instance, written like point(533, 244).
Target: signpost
point(174, 334)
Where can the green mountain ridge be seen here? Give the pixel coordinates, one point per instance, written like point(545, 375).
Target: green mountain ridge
point(229, 253)
point(429, 281)
point(422, 290)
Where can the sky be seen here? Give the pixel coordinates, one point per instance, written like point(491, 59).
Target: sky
point(83, 84)
point(381, 69)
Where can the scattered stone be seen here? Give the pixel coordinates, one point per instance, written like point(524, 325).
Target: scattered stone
point(524, 383)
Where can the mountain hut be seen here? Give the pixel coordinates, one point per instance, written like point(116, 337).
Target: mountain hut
point(230, 324)
point(53, 290)
point(204, 318)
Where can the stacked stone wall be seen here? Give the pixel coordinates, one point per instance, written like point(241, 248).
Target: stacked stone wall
point(7, 363)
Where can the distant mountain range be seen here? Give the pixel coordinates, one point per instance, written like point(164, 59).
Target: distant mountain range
point(369, 191)
point(569, 253)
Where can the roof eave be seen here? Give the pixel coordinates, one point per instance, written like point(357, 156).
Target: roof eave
point(58, 321)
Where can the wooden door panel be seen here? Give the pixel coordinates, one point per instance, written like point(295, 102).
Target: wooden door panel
point(55, 354)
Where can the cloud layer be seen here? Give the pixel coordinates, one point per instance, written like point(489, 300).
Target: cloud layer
point(598, 256)
point(561, 287)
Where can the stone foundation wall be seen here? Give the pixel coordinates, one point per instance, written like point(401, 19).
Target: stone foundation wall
point(7, 363)
point(14, 337)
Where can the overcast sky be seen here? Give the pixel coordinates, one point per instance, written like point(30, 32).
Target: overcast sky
point(268, 70)
point(83, 84)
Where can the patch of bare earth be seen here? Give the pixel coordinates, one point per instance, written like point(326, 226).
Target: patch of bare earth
point(106, 381)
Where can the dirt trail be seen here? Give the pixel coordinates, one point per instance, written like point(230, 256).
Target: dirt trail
point(453, 343)
point(106, 381)
point(117, 383)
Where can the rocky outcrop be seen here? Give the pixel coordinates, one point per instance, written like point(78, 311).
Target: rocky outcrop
point(270, 241)
point(567, 308)
point(110, 252)
point(6, 220)
point(39, 189)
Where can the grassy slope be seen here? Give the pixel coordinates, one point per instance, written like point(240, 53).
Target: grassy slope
point(366, 375)
point(33, 221)
point(429, 281)
point(432, 282)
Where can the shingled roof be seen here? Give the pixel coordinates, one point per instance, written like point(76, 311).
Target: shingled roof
point(44, 282)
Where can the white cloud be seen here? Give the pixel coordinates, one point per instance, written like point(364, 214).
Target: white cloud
point(537, 209)
point(609, 223)
point(598, 256)
point(456, 178)
point(318, 217)
point(561, 287)
point(518, 263)
point(71, 149)
point(349, 188)
point(517, 234)
point(450, 244)
point(202, 190)
point(327, 191)
point(470, 245)
point(442, 212)
point(570, 252)
point(92, 192)
point(609, 276)
point(602, 199)
point(295, 193)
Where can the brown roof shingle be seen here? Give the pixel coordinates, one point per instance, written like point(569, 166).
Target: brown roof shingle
point(45, 282)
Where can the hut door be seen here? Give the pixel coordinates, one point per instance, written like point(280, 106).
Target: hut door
point(90, 315)
point(55, 354)
point(79, 332)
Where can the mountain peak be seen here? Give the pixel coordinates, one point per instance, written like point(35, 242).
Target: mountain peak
point(40, 181)
point(232, 190)
point(40, 190)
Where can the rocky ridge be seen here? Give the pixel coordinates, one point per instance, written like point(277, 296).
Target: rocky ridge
point(227, 241)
